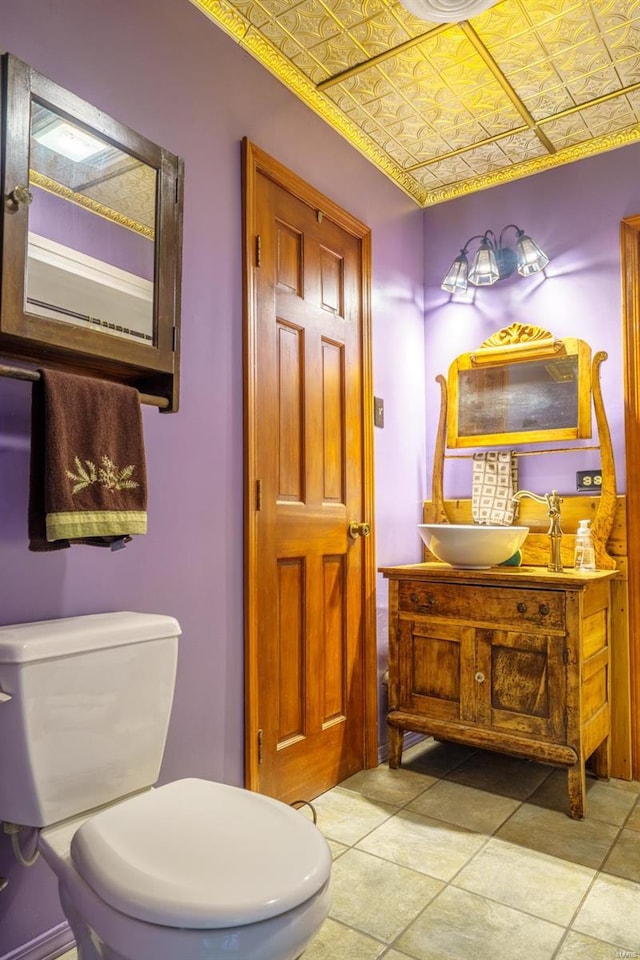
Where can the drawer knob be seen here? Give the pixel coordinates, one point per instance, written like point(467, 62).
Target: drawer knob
point(479, 677)
point(522, 608)
point(544, 609)
point(429, 601)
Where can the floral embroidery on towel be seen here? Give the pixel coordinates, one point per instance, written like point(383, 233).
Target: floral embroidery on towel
point(108, 475)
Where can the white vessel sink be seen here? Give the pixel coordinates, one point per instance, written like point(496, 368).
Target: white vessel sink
point(472, 546)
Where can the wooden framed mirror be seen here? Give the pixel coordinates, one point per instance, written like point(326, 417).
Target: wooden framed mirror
point(522, 385)
point(91, 239)
point(524, 364)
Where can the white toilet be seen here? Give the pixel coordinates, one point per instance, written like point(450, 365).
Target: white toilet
point(193, 870)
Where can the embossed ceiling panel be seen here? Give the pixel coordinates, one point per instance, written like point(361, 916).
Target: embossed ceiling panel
point(448, 109)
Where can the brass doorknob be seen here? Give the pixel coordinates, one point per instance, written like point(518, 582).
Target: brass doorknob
point(358, 529)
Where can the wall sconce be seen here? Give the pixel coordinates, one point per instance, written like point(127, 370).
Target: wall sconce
point(494, 261)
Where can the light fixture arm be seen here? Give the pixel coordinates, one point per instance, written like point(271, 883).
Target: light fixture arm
point(478, 236)
point(511, 226)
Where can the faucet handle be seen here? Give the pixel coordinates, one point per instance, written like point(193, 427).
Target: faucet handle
point(554, 502)
point(522, 494)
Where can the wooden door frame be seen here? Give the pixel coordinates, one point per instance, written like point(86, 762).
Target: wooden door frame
point(630, 268)
point(255, 162)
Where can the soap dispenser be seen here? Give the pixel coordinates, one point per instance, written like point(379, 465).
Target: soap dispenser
point(585, 554)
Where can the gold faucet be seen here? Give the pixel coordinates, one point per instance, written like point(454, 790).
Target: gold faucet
point(553, 502)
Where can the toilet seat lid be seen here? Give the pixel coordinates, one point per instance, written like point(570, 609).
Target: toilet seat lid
point(200, 854)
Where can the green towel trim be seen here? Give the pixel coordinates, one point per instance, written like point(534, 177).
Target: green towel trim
point(74, 524)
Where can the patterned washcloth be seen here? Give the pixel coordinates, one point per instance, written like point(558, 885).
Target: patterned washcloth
point(494, 482)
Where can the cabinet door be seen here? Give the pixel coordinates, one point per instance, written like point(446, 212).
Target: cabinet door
point(435, 668)
point(520, 683)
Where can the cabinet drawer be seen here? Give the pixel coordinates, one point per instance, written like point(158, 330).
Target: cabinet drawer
point(499, 606)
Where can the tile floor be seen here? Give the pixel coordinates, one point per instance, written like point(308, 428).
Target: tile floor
point(468, 855)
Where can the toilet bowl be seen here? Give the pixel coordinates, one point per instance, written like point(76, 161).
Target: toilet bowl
point(191, 870)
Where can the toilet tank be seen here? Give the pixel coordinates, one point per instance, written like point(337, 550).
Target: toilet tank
point(84, 711)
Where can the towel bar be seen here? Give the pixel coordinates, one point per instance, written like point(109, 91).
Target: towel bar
point(525, 453)
point(19, 373)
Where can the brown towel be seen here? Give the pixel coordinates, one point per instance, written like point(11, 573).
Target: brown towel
point(88, 476)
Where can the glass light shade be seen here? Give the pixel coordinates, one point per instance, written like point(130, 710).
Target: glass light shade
point(69, 141)
point(446, 11)
point(456, 278)
point(484, 269)
point(531, 259)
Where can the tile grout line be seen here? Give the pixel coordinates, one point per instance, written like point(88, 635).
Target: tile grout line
point(404, 805)
point(598, 872)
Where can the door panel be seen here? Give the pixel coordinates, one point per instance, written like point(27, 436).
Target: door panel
point(430, 671)
point(310, 639)
point(290, 442)
point(524, 686)
point(291, 653)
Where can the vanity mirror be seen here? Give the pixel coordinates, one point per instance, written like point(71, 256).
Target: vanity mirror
point(91, 240)
point(521, 385)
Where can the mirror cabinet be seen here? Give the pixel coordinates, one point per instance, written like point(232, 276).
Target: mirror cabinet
point(91, 240)
point(517, 392)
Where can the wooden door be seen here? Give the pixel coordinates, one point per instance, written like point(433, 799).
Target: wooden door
point(311, 671)
point(625, 666)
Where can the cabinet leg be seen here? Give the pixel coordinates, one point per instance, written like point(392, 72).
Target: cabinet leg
point(600, 760)
point(577, 786)
point(395, 747)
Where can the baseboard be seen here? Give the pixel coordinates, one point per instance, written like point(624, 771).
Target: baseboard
point(48, 946)
point(409, 740)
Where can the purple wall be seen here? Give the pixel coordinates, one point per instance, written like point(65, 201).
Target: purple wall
point(165, 70)
point(574, 213)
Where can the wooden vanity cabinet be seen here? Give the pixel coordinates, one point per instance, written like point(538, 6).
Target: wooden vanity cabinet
point(509, 659)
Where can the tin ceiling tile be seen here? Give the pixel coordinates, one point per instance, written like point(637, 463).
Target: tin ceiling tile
point(549, 103)
point(380, 33)
point(567, 130)
point(447, 109)
point(312, 67)
point(584, 89)
point(606, 118)
point(309, 21)
point(629, 70)
point(350, 13)
point(368, 84)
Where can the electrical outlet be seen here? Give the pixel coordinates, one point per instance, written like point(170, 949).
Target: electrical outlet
point(589, 481)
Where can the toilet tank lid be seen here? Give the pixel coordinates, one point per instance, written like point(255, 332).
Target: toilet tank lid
point(48, 639)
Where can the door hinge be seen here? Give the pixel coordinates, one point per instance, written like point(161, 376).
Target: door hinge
point(258, 494)
point(260, 741)
point(565, 656)
point(258, 250)
point(173, 339)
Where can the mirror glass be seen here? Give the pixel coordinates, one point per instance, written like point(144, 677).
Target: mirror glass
point(538, 396)
point(91, 243)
